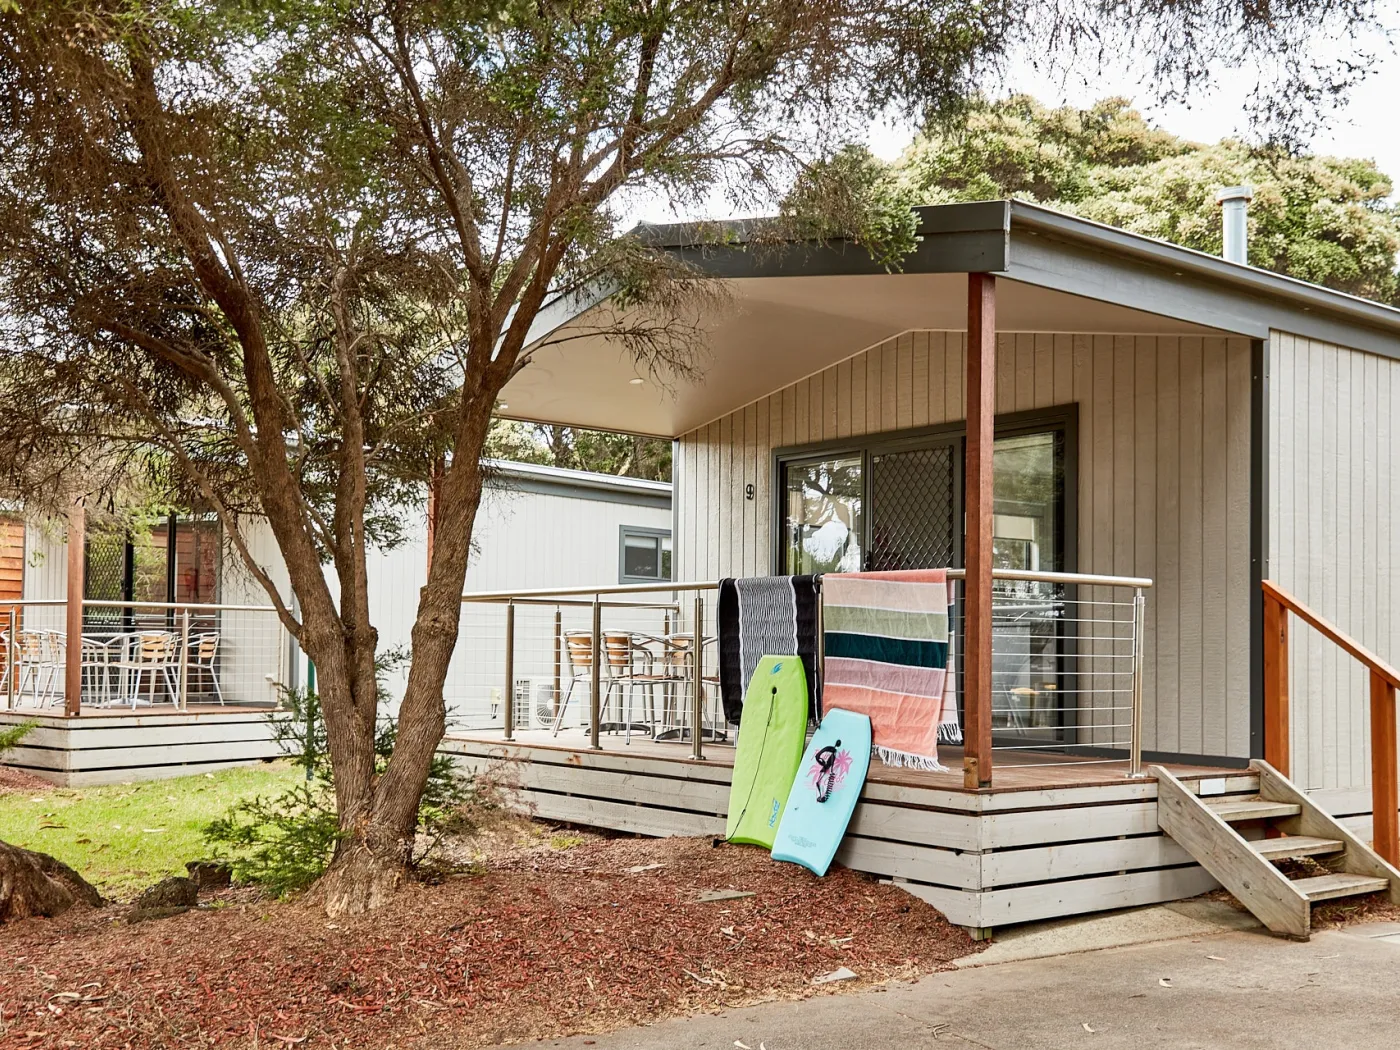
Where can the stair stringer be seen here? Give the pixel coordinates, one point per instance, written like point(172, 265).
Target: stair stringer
point(1223, 852)
point(1357, 859)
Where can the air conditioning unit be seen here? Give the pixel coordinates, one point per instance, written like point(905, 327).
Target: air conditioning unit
point(535, 703)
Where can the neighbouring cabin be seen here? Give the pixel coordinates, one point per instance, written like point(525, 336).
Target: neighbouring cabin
point(183, 658)
point(1156, 433)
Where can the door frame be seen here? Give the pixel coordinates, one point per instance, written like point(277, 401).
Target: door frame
point(1008, 424)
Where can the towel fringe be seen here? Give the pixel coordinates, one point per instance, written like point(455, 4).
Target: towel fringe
point(950, 733)
point(907, 760)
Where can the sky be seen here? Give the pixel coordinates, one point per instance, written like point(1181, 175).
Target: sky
point(1368, 125)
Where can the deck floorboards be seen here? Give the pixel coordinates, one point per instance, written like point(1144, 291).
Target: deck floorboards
point(1012, 770)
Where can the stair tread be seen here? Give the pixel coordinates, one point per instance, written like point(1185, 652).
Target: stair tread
point(1296, 846)
point(1229, 809)
point(1325, 887)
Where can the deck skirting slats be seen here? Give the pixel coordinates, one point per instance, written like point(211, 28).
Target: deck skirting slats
point(983, 859)
point(117, 747)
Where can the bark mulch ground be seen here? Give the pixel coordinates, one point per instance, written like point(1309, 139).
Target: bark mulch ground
point(17, 781)
point(543, 941)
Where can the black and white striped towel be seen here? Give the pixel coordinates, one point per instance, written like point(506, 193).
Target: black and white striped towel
point(765, 616)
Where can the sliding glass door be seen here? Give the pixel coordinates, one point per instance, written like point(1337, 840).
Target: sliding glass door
point(892, 502)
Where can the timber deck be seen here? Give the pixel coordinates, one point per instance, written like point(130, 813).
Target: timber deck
point(1044, 841)
point(109, 745)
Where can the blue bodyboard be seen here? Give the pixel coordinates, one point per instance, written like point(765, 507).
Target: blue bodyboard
point(828, 785)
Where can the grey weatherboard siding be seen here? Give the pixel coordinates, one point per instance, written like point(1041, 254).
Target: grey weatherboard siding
point(1334, 500)
point(1163, 480)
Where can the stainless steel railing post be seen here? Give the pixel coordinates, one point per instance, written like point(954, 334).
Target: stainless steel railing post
point(595, 677)
point(508, 697)
point(185, 661)
point(558, 660)
point(697, 694)
point(1135, 730)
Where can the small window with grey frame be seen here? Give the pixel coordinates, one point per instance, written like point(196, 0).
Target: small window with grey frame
point(644, 555)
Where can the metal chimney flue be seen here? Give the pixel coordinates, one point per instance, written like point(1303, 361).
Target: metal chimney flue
point(1234, 217)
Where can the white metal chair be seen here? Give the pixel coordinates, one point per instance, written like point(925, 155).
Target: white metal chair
point(96, 666)
point(33, 666)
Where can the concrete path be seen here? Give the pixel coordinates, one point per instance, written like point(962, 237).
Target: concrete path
point(1236, 990)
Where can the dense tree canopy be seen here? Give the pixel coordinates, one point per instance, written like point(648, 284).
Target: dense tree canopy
point(1329, 220)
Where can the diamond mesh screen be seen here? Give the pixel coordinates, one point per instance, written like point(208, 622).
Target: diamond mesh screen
point(104, 575)
point(912, 505)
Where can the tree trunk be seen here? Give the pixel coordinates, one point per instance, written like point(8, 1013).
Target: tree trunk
point(379, 825)
point(37, 884)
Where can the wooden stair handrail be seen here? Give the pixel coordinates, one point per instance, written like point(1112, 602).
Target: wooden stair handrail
point(1332, 632)
point(1384, 681)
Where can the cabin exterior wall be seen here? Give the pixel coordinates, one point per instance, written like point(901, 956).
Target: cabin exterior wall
point(1334, 500)
point(1163, 486)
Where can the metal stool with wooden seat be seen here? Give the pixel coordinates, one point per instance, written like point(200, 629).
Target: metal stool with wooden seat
point(578, 647)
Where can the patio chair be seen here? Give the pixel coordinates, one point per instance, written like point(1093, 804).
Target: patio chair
point(149, 656)
point(631, 666)
point(578, 647)
point(33, 666)
point(204, 649)
point(96, 665)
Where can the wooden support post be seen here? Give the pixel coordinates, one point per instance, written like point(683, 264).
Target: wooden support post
point(1276, 743)
point(73, 627)
point(977, 589)
point(1385, 782)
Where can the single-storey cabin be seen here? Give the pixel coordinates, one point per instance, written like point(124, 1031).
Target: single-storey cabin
point(538, 526)
point(1171, 457)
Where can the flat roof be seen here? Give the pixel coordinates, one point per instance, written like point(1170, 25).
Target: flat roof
point(578, 484)
point(798, 307)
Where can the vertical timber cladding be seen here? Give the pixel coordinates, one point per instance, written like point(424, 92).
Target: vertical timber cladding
point(1334, 500)
point(1163, 471)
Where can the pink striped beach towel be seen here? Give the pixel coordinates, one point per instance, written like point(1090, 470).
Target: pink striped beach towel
point(886, 656)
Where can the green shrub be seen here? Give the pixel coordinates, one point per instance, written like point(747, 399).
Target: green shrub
point(285, 842)
point(10, 736)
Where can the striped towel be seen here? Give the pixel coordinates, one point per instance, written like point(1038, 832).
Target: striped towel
point(886, 637)
point(765, 616)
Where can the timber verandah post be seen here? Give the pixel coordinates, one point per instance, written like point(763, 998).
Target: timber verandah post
point(977, 586)
point(73, 625)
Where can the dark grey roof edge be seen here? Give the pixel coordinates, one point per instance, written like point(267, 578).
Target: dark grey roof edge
point(1165, 253)
point(1001, 215)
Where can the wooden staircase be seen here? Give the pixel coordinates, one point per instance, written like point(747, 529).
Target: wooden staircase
point(1214, 831)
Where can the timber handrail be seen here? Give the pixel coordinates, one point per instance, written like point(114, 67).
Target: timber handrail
point(1384, 680)
point(1332, 633)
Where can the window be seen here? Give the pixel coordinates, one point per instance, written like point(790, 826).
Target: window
point(824, 520)
point(645, 555)
point(895, 501)
point(176, 561)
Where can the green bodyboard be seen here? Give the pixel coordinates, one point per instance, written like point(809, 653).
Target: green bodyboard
point(772, 730)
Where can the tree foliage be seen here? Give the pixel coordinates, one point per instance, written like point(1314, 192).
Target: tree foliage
point(1329, 220)
point(574, 448)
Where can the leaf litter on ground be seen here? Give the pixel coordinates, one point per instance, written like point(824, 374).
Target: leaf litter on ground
point(534, 943)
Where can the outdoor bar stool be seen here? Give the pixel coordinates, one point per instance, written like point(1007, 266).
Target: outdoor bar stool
point(578, 646)
point(629, 666)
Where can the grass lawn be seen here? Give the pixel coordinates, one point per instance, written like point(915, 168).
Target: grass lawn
point(124, 837)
